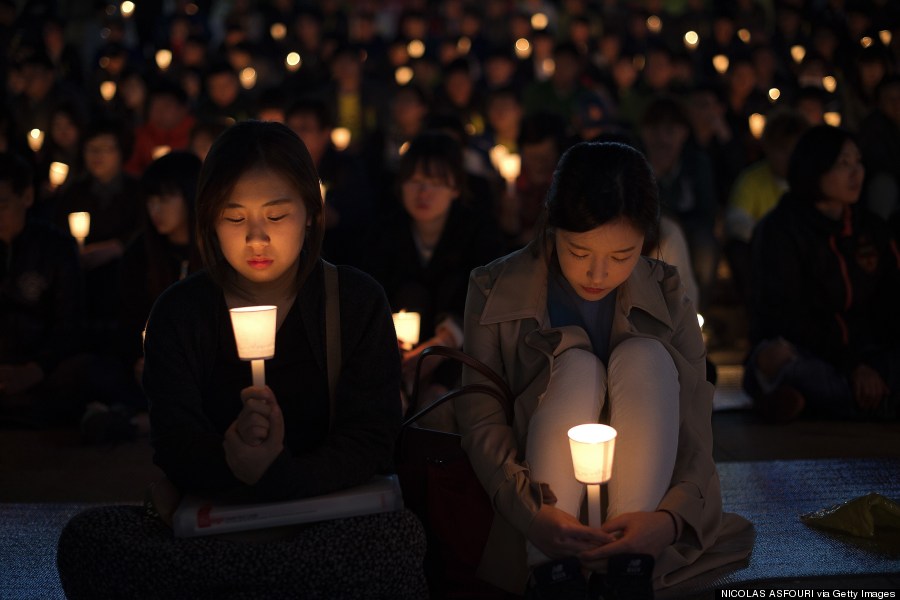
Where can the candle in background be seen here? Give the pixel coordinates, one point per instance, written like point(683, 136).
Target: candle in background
point(160, 151)
point(757, 124)
point(293, 61)
point(691, 40)
point(403, 75)
point(35, 140)
point(523, 48)
point(127, 8)
point(108, 90)
point(340, 137)
point(254, 333)
point(798, 53)
point(80, 226)
point(58, 173)
point(510, 167)
point(833, 118)
point(720, 63)
point(407, 326)
point(592, 447)
point(248, 78)
point(163, 58)
point(278, 31)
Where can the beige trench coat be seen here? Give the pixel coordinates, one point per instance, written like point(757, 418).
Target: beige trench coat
point(507, 327)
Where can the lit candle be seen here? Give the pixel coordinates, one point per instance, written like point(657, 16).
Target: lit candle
point(80, 226)
point(108, 90)
point(592, 446)
point(58, 173)
point(127, 8)
point(774, 94)
point(510, 167)
point(35, 139)
point(292, 61)
point(720, 62)
point(340, 137)
point(407, 326)
point(548, 67)
point(160, 151)
point(885, 36)
point(832, 118)
point(798, 53)
point(497, 154)
point(248, 78)
point(403, 75)
point(654, 24)
point(163, 58)
point(744, 35)
point(416, 49)
point(254, 333)
point(539, 21)
point(866, 41)
point(691, 40)
point(829, 83)
point(278, 31)
point(757, 124)
point(523, 48)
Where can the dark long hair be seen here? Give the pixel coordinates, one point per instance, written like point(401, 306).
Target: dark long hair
point(244, 147)
point(814, 155)
point(175, 173)
point(596, 183)
point(437, 154)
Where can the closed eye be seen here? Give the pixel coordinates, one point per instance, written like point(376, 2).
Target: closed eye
point(578, 256)
point(278, 218)
point(234, 219)
point(620, 260)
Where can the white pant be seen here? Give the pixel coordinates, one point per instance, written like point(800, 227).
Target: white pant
point(643, 390)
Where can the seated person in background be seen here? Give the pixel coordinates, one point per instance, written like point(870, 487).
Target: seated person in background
point(686, 183)
point(826, 279)
point(168, 125)
point(164, 252)
point(757, 191)
point(349, 205)
point(541, 142)
point(423, 252)
point(40, 306)
point(260, 226)
point(584, 329)
point(879, 141)
point(112, 198)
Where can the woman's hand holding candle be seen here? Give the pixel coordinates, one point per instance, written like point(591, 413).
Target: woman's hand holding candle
point(249, 461)
point(636, 532)
point(253, 421)
point(558, 534)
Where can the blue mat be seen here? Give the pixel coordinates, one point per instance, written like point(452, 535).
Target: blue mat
point(28, 536)
point(771, 494)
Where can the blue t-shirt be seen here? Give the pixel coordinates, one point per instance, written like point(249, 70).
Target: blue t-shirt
point(566, 307)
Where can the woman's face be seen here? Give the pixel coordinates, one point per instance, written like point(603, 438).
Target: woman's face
point(169, 215)
point(262, 226)
point(843, 182)
point(598, 261)
point(427, 198)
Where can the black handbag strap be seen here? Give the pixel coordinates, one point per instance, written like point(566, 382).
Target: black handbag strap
point(501, 392)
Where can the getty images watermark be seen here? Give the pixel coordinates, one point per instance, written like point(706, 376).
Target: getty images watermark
point(816, 593)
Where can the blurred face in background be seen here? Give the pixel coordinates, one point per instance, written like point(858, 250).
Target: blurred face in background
point(169, 214)
point(102, 157)
point(63, 131)
point(842, 184)
point(428, 197)
point(13, 209)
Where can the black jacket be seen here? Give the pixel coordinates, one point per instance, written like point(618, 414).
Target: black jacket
point(832, 288)
point(193, 378)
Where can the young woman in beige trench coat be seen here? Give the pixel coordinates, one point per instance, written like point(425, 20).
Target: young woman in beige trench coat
point(583, 328)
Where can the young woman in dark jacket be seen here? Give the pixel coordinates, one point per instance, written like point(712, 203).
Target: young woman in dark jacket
point(826, 275)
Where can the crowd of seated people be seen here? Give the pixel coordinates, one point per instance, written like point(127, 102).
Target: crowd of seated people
point(108, 109)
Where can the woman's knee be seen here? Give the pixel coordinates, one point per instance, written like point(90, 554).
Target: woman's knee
point(642, 357)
